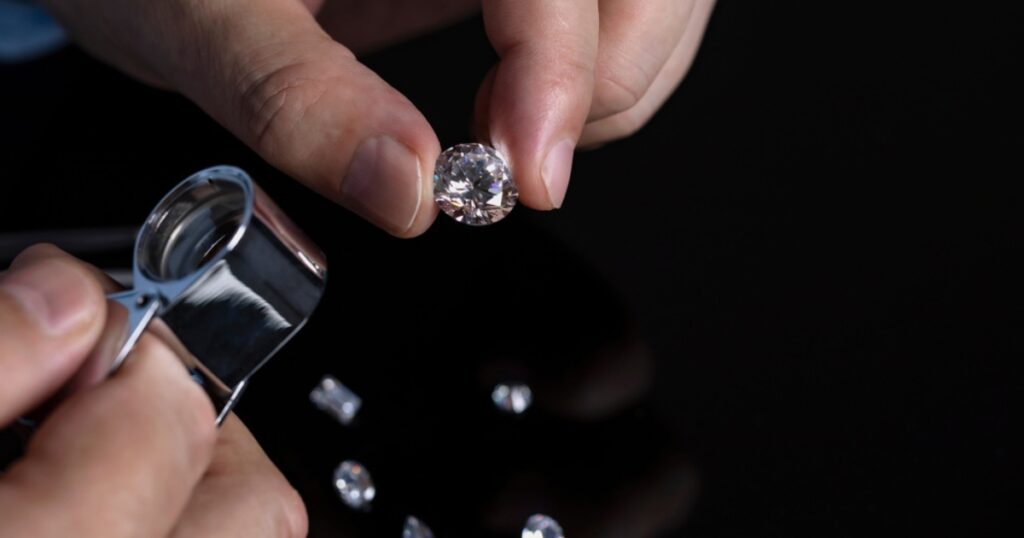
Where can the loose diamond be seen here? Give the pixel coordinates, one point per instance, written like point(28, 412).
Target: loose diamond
point(512, 398)
point(541, 526)
point(354, 485)
point(335, 399)
point(473, 185)
point(415, 528)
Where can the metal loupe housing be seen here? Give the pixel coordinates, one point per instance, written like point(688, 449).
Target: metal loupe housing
point(223, 277)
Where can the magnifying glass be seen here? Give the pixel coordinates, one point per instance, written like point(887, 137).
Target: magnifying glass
point(223, 277)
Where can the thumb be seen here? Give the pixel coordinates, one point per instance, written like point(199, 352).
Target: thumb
point(51, 314)
point(267, 71)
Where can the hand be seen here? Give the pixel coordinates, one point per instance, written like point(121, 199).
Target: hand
point(135, 455)
point(572, 72)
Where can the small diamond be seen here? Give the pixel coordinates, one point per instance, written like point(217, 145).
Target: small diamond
point(512, 398)
point(473, 185)
point(541, 526)
point(335, 399)
point(415, 528)
point(354, 485)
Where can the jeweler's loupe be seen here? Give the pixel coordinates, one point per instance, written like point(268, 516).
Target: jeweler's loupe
point(223, 277)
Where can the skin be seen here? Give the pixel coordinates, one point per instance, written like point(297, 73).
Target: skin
point(282, 75)
point(135, 455)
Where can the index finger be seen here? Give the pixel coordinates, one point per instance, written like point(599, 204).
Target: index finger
point(120, 459)
point(539, 96)
point(242, 493)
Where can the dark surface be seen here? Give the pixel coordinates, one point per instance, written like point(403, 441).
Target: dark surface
point(788, 306)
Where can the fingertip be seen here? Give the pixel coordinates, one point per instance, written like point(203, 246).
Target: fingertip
point(557, 169)
point(540, 175)
point(36, 252)
point(295, 515)
point(426, 210)
point(541, 90)
point(424, 218)
point(59, 292)
point(388, 182)
point(311, 109)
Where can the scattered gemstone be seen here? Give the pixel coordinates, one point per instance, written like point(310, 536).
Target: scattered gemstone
point(415, 528)
point(541, 526)
point(354, 485)
point(473, 184)
point(335, 399)
point(512, 398)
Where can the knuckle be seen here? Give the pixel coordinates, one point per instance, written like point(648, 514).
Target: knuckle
point(565, 65)
point(619, 85)
point(614, 94)
point(576, 68)
point(294, 519)
point(276, 95)
point(192, 408)
point(23, 302)
point(275, 104)
point(199, 420)
point(281, 503)
point(202, 423)
point(630, 123)
point(40, 250)
point(617, 127)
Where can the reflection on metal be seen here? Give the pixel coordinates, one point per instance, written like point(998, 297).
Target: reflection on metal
point(222, 285)
point(223, 277)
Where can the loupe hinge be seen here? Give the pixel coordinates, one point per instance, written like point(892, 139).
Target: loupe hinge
point(141, 307)
point(223, 278)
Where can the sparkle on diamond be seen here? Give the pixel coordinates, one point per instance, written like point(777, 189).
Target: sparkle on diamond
point(335, 399)
point(512, 398)
point(354, 485)
point(415, 528)
point(541, 526)
point(473, 185)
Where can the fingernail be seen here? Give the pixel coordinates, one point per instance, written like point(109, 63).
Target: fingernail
point(556, 170)
point(383, 184)
point(57, 297)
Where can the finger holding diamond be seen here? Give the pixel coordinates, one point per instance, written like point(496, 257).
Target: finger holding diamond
point(538, 97)
point(637, 40)
point(473, 184)
point(637, 109)
point(269, 73)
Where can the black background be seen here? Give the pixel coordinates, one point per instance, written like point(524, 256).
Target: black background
point(788, 306)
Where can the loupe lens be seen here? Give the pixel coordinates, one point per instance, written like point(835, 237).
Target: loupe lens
point(190, 227)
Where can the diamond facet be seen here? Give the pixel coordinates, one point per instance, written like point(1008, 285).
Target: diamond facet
point(473, 184)
point(541, 526)
point(335, 399)
point(415, 528)
point(354, 485)
point(512, 398)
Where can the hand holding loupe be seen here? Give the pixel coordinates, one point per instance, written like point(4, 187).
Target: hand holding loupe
point(223, 277)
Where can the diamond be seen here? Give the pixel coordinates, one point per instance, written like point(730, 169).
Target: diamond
point(512, 398)
point(415, 528)
point(335, 399)
point(473, 185)
point(354, 485)
point(541, 526)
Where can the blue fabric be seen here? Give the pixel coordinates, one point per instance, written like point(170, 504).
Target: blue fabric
point(27, 32)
